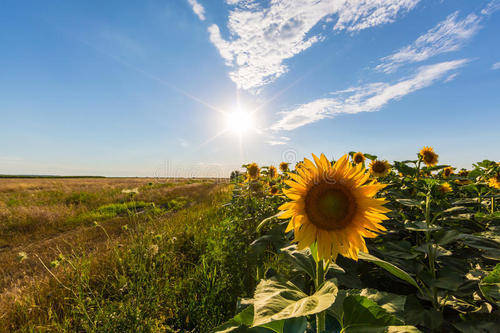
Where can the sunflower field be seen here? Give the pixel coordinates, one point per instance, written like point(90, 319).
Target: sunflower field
point(359, 244)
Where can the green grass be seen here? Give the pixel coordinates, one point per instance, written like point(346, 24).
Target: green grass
point(183, 271)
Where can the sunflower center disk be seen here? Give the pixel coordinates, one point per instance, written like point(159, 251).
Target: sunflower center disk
point(379, 167)
point(428, 157)
point(328, 206)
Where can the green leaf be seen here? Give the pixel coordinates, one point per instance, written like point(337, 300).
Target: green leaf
point(409, 202)
point(276, 301)
point(448, 279)
point(392, 303)
point(370, 156)
point(405, 169)
point(361, 311)
point(480, 243)
point(436, 167)
point(446, 237)
point(465, 201)
point(455, 210)
point(264, 221)
point(302, 260)
point(369, 310)
point(490, 286)
point(394, 270)
point(474, 326)
point(415, 314)
point(241, 320)
point(274, 237)
point(295, 325)
point(400, 250)
point(420, 226)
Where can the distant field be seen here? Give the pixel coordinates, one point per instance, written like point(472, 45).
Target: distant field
point(46, 176)
point(50, 228)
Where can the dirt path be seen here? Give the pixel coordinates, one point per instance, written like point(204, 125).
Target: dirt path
point(16, 273)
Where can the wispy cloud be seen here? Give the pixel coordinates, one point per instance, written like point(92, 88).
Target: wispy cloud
point(262, 38)
point(495, 66)
point(366, 98)
point(198, 9)
point(449, 35)
point(492, 7)
point(282, 140)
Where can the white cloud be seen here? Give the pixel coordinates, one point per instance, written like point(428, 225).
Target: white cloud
point(282, 140)
point(197, 9)
point(262, 38)
point(361, 14)
point(367, 98)
point(449, 35)
point(491, 7)
point(495, 66)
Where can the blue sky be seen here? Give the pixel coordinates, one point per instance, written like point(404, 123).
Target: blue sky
point(143, 88)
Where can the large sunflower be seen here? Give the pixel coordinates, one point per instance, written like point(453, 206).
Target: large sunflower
point(380, 168)
point(358, 158)
point(332, 205)
point(429, 157)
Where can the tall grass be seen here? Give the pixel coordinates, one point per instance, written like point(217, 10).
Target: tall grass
point(163, 273)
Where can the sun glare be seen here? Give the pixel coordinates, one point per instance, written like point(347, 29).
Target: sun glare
point(239, 122)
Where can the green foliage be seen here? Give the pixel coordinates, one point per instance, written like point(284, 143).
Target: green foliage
point(433, 270)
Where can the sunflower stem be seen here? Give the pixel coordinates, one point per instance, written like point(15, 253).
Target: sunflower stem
point(431, 248)
point(320, 278)
point(417, 176)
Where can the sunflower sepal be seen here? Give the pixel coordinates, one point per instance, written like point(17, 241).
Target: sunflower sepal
point(314, 252)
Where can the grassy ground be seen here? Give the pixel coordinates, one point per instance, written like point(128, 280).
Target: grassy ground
point(114, 255)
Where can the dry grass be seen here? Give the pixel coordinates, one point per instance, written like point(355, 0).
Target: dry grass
point(45, 218)
point(34, 209)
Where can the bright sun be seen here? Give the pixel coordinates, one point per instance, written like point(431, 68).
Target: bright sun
point(239, 122)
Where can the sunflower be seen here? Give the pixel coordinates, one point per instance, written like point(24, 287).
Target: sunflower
point(495, 181)
point(332, 205)
point(429, 157)
point(445, 188)
point(272, 172)
point(447, 172)
point(253, 171)
point(379, 168)
point(463, 173)
point(358, 158)
point(274, 190)
point(284, 167)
